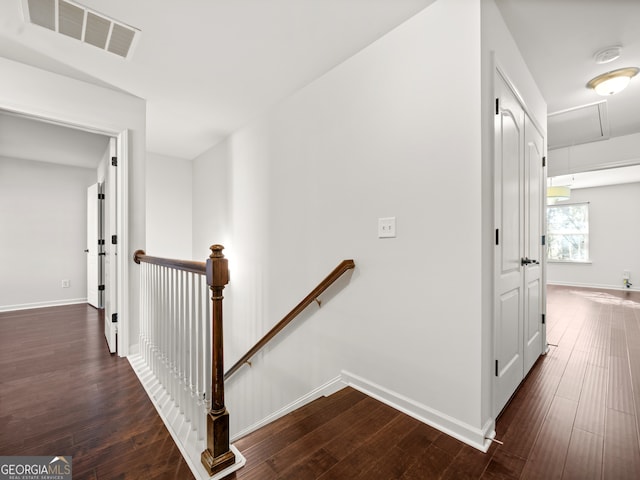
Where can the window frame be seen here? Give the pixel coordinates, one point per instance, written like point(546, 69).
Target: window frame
point(586, 234)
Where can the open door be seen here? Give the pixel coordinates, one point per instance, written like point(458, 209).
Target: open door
point(111, 251)
point(94, 248)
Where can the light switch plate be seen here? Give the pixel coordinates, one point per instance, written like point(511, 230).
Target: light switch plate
point(387, 227)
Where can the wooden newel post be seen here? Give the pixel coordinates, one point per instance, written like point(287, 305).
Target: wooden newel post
point(218, 455)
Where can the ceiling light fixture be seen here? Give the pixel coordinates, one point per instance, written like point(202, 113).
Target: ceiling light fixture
point(612, 82)
point(558, 194)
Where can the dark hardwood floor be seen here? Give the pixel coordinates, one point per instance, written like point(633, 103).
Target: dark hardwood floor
point(62, 393)
point(574, 417)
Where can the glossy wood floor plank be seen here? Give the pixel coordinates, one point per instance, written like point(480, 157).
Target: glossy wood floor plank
point(63, 393)
point(574, 416)
point(560, 424)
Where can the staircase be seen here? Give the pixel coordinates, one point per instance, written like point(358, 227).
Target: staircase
point(347, 435)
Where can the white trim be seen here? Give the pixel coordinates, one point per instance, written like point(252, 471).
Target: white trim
point(122, 230)
point(324, 390)
point(122, 137)
point(190, 447)
point(50, 303)
point(474, 437)
point(593, 285)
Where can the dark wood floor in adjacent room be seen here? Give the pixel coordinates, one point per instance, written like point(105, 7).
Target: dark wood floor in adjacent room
point(62, 393)
point(574, 417)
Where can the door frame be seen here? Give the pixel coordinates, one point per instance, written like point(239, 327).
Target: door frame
point(499, 71)
point(122, 141)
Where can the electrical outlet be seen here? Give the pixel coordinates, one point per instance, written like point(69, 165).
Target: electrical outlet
point(66, 284)
point(626, 275)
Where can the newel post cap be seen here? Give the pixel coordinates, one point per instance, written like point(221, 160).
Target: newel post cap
point(217, 267)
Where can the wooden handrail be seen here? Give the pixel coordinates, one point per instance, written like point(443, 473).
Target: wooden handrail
point(315, 293)
point(184, 265)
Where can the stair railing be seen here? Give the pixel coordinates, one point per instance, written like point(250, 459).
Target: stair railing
point(337, 272)
point(183, 349)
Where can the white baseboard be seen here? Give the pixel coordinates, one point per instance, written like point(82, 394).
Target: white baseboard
point(474, 437)
point(591, 285)
point(51, 303)
point(180, 430)
point(477, 438)
point(324, 390)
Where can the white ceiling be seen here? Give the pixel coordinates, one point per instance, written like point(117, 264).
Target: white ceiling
point(558, 39)
point(207, 67)
point(599, 178)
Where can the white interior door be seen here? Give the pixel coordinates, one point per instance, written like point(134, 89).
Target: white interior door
point(111, 264)
point(534, 208)
point(519, 209)
point(509, 217)
point(94, 270)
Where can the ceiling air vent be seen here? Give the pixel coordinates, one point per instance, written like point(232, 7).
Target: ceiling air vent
point(79, 22)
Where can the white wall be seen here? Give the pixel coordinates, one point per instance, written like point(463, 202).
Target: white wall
point(36, 92)
point(614, 231)
point(498, 48)
point(211, 197)
point(169, 212)
point(43, 224)
point(617, 151)
point(387, 133)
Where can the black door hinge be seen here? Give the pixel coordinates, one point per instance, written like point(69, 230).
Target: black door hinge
point(497, 106)
point(497, 236)
point(544, 161)
point(496, 368)
point(544, 319)
point(100, 288)
point(114, 161)
point(544, 239)
point(101, 241)
point(114, 239)
point(101, 196)
point(114, 317)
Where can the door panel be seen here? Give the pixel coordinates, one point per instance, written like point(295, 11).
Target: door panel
point(534, 208)
point(519, 208)
point(508, 322)
point(111, 297)
point(93, 259)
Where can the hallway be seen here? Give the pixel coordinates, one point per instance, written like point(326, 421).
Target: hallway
point(62, 393)
point(574, 417)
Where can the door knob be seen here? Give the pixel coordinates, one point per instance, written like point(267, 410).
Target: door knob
point(526, 261)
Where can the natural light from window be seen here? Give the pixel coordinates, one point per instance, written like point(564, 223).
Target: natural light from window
point(568, 233)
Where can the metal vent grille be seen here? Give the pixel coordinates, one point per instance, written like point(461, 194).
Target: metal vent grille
point(77, 21)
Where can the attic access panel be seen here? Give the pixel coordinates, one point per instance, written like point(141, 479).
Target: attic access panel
point(582, 124)
point(88, 26)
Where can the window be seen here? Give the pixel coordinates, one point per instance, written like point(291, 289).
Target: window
point(568, 232)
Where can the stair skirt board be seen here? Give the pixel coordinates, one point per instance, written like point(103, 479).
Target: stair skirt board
point(328, 388)
point(477, 438)
point(183, 435)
